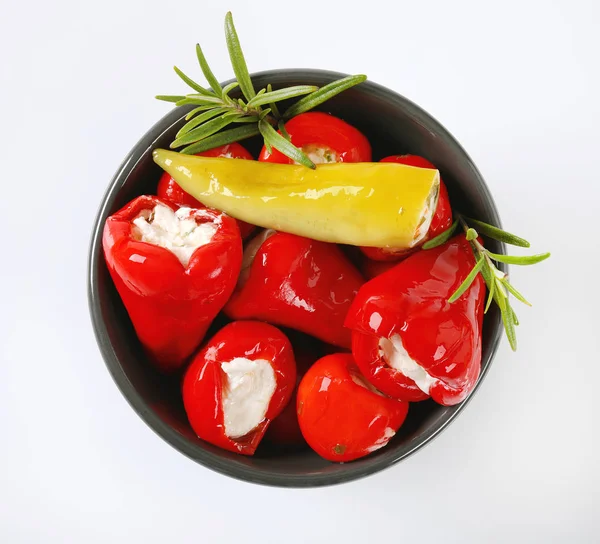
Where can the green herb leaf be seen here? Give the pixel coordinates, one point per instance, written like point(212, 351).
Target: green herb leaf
point(279, 142)
point(514, 316)
point(246, 119)
point(198, 110)
point(207, 115)
point(222, 138)
point(322, 95)
point(273, 106)
point(516, 293)
point(199, 100)
point(169, 97)
point(498, 234)
point(514, 259)
point(203, 131)
point(508, 317)
point(198, 88)
point(212, 80)
point(283, 130)
point(441, 238)
point(281, 94)
point(471, 235)
point(238, 62)
point(264, 113)
point(468, 281)
point(492, 290)
point(228, 88)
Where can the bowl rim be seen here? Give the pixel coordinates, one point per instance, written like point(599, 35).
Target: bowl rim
point(168, 433)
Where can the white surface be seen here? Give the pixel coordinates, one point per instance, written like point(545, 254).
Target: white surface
point(517, 83)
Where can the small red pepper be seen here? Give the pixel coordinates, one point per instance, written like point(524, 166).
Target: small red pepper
point(168, 188)
point(171, 304)
point(324, 138)
point(298, 283)
point(441, 220)
point(241, 380)
point(408, 340)
point(341, 417)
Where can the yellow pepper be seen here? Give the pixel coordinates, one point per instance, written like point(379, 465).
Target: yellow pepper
point(364, 204)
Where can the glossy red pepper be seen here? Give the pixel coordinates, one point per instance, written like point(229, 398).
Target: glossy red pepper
point(206, 384)
point(168, 188)
point(441, 221)
point(341, 417)
point(298, 283)
point(324, 138)
point(171, 305)
point(409, 303)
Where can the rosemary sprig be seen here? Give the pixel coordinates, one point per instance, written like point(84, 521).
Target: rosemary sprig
point(208, 125)
point(497, 281)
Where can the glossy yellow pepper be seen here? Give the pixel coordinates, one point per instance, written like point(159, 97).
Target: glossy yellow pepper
point(364, 204)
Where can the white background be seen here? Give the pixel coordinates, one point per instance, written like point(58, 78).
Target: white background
point(516, 82)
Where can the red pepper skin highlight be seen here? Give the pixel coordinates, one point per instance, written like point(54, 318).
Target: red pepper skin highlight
point(340, 419)
point(169, 189)
point(298, 283)
point(441, 221)
point(324, 135)
point(204, 381)
point(171, 306)
point(411, 300)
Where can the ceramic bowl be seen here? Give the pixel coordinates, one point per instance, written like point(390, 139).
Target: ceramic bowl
point(393, 125)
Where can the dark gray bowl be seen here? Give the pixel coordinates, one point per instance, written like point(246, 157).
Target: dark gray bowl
point(394, 125)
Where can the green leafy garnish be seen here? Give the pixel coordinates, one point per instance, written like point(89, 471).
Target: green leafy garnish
point(499, 287)
point(441, 238)
point(216, 110)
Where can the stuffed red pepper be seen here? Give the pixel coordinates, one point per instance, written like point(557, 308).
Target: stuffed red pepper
point(240, 381)
point(174, 268)
point(408, 340)
point(324, 138)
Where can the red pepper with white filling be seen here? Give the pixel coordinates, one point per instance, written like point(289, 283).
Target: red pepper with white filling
point(174, 268)
point(324, 138)
point(408, 339)
point(241, 380)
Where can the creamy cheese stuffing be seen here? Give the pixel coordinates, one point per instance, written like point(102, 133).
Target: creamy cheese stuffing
point(396, 356)
point(247, 393)
point(175, 231)
point(319, 154)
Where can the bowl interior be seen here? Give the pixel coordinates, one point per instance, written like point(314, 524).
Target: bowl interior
point(393, 125)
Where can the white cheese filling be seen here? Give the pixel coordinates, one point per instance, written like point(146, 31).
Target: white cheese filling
point(319, 154)
point(247, 392)
point(396, 356)
point(175, 231)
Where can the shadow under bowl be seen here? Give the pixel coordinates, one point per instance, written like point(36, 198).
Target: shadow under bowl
point(393, 125)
